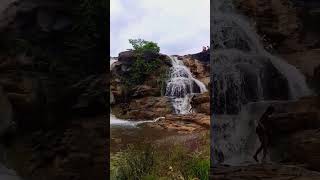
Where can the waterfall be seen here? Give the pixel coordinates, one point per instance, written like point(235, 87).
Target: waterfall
point(181, 86)
point(246, 77)
point(243, 71)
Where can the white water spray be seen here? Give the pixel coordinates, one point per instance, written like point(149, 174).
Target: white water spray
point(125, 123)
point(240, 64)
point(181, 86)
point(242, 80)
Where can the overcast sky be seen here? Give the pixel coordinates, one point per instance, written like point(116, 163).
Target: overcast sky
point(178, 26)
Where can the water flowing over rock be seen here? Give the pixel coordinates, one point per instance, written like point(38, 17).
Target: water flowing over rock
point(243, 71)
point(246, 80)
point(181, 86)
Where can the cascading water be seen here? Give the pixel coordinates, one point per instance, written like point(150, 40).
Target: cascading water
point(181, 86)
point(243, 73)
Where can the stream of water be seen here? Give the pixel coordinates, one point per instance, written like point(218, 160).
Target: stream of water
point(240, 64)
point(181, 86)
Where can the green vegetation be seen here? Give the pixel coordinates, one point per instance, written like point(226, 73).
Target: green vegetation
point(189, 161)
point(142, 67)
point(141, 46)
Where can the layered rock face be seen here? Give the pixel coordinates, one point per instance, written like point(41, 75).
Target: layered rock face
point(286, 30)
point(201, 103)
point(141, 101)
point(148, 101)
point(49, 77)
point(200, 69)
point(33, 73)
point(295, 132)
point(291, 29)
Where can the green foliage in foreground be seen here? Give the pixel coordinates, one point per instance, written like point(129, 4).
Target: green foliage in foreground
point(166, 162)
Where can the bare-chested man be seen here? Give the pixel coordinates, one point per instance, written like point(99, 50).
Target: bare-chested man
point(263, 131)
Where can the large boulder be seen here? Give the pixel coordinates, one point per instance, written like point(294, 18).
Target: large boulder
point(152, 84)
point(199, 69)
point(201, 103)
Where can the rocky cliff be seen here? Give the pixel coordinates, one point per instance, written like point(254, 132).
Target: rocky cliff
point(146, 100)
point(289, 28)
point(50, 77)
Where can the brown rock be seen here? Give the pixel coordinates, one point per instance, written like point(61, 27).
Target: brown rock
point(299, 60)
point(144, 90)
point(200, 70)
point(196, 118)
point(201, 98)
point(201, 103)
point(263, 172)
point(147, 108)
point(293, 122)
point(304, 148)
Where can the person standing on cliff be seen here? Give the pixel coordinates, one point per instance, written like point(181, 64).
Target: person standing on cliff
point(204, 49)
point(263, 131)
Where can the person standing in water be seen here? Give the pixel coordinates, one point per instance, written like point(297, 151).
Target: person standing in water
point(263, 131)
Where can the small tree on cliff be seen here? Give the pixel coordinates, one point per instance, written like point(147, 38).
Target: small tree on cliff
point(141, 46)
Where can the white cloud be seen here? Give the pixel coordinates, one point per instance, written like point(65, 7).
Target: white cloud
point(178, 26)
point(115, 9)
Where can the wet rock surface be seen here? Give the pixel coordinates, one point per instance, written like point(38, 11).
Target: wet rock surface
point(199, 69)
point(263, 172)
point(185, 124)
point(201, 103)
point(291, 27)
